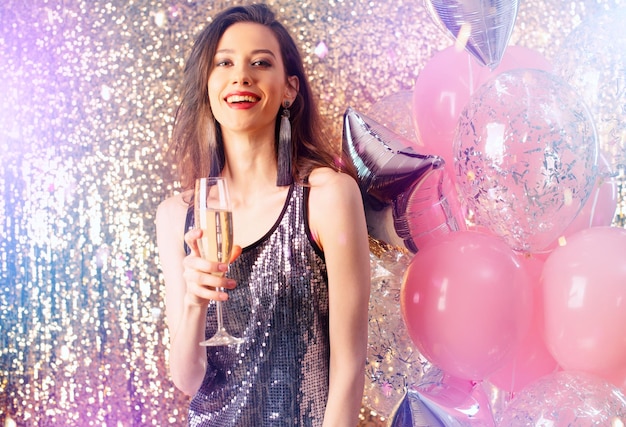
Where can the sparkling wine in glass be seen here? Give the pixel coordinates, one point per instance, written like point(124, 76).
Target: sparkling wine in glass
point(213, 215)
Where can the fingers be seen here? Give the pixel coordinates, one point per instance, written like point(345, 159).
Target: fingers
point(203, 278)
point(191, 238)
point(202, 295)
point(206, 273)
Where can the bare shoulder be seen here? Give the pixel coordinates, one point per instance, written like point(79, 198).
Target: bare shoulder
point(332, 186)
point(335, 205)
point(171, 213)
point(173, 206)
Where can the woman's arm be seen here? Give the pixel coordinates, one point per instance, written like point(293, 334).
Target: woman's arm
point(337, 220)
point(188, 290)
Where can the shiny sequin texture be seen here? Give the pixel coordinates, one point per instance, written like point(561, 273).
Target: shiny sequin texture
point(279, 375)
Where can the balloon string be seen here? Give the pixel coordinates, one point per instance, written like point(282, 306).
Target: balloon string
point(513, 378)
point(471, 75)
point(592, 214)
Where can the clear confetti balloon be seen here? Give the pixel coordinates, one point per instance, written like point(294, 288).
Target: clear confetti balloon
point(566, 398)
point(593, 60)
point(525, 157)
point(393, 362)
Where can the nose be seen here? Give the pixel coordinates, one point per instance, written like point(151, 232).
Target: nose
point(242, 76)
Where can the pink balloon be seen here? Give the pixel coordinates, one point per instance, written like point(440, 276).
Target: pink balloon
point(532, 360)
point(444, 87)
point(584, 288)
point(518, 57)
point(467, 303)
point(433, 209)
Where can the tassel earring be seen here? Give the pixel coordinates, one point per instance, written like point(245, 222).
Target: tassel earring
point(284, 149)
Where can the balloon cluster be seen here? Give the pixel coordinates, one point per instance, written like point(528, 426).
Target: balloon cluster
point(500, 193)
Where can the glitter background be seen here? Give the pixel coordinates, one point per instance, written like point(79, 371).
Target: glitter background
point(88, 96)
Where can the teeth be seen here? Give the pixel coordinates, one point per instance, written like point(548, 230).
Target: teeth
point(241, 98)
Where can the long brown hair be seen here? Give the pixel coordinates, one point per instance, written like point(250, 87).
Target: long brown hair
point(196, 138)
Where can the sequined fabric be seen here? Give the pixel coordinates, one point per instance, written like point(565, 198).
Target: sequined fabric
point(279, 376)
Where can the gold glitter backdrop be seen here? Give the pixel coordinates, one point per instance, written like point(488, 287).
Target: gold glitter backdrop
point(89, 89)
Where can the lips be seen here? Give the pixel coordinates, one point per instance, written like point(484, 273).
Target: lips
point(246, 98)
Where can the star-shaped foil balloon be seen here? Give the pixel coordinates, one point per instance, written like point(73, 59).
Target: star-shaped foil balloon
point(450, 402)
point(399, 185)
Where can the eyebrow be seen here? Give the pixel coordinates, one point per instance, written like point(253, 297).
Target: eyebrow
point(254, 52)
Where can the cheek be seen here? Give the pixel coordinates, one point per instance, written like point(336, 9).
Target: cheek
point(212, 101)
point(213, 92)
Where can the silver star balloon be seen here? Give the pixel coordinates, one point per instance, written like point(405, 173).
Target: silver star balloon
point(407, 199)
point(449, 402)
point(482, 27)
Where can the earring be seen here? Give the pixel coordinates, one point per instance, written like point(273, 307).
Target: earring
point(284, 149)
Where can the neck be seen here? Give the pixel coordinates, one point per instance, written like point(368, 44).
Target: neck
point(250, 164)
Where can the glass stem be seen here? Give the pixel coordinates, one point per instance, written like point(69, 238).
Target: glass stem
point(218, 312)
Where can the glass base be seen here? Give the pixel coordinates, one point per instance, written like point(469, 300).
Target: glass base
point(222, 337)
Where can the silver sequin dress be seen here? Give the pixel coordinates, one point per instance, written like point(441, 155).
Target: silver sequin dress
point(279, 376)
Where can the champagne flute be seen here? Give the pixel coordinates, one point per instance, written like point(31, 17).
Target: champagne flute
point(213, 215)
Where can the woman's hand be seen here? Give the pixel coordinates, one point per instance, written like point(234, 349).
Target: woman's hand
point(204, 277)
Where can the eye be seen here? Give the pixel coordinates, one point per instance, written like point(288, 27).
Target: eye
point(263, 63)
point(222, 62)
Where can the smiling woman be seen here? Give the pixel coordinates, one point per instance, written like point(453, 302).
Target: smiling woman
point(297, 288)
point(248, 75)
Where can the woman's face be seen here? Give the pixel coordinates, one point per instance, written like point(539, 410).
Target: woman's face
point(248, 82)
